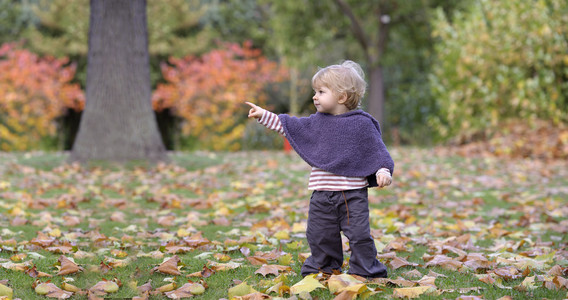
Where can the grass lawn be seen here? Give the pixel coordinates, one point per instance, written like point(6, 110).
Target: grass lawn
point(448, 227)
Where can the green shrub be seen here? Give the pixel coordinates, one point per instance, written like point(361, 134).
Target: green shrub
point(499, 61)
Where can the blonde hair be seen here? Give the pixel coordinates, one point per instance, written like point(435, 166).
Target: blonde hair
point(347, 78)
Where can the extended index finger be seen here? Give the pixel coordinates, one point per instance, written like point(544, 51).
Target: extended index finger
point(251, 104)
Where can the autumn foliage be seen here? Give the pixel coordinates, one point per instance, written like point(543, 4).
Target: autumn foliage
point(208, 92)
point(33, 92)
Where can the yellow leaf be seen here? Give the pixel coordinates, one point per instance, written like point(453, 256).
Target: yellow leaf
point(183, 232)
point(285, 259)
point(282, 235)
point(6, 291)
point(337, 283)
point(241, 290)
point(308, 284)
point(411, 292)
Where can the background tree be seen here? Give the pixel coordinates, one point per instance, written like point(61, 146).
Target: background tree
point(118, 123)
point(175, 28)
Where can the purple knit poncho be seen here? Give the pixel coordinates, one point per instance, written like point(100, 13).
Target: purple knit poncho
point(349, 144)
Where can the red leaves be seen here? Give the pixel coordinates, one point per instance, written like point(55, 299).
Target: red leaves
point(33, 92)
point(209, 91)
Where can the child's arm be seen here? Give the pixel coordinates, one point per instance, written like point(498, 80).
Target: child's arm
point(266, 118)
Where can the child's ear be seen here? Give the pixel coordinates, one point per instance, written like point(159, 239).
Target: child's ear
point(342, 98)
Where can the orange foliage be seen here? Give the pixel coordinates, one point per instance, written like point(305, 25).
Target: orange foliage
point(208, 92)
point(33, 92)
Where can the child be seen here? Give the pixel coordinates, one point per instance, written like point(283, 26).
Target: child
point(343, 145)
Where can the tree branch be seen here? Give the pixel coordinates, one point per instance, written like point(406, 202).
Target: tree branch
point(355, 25)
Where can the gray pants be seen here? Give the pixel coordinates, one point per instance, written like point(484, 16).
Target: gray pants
point(328, 216)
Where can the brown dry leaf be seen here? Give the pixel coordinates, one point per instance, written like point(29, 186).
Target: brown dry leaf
point(166, 221)
point(267, 269)
point(272, 255)
point(104, 267)
point(257, 261)
point(560, 282)
point(205, 273)
point(487, 279)
point(508, 273)
point(427, 281)
point(42, 240)
point(169, 266)
point(399, 262)
point(346, 295)
point(479, 265)
point(557, 271)
point(445, 262)
point(68, 266)
point(146, 287)
point(394, 282)
point(63, 249)
point(174, 249)
point(143, 296)
point(71, 221)
point(34, 273)
point(196, 240)
point(272, 269)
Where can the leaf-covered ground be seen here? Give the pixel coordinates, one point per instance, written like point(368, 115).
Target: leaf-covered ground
point(219, 225)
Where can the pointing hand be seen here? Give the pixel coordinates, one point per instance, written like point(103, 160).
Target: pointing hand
point(255, 111)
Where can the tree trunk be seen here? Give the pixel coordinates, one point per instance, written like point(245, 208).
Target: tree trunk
point(118, 123)
point(376, 99)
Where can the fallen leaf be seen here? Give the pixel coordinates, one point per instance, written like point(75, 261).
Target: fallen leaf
point(399, 262)
point(308, 284)
point(6, 291)
point(336, 283)
point(103, 287)
point(34, 273)
point(257, 261)
point(272, 269)
point(67, 266)
point(50, 290)
point(241, 290)
point(412, 292)
point(170, 266)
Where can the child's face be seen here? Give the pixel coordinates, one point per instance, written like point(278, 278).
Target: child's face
point(326, 101)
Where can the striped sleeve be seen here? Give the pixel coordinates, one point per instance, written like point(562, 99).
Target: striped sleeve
point(272, 122)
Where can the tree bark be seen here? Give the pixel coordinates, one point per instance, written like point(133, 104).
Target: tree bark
point(373, 55)
point(376, 98)
point(118, 123)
